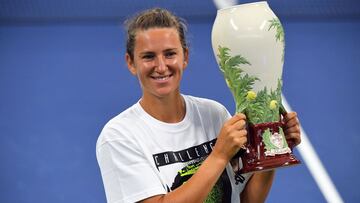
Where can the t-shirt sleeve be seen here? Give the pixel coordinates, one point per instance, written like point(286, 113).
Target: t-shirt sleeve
point(127, 174)
point(223, 113)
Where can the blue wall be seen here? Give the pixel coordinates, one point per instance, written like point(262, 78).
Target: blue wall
point(60, 83)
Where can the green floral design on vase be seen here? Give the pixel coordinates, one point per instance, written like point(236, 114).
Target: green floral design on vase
point(259, 107)
point(238, 82)
point(280, 35)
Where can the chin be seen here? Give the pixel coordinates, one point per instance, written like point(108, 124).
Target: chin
point(165, 92)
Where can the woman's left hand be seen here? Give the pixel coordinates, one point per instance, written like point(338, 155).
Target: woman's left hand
point(292, 128)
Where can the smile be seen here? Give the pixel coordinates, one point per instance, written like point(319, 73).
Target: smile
point(161, 78)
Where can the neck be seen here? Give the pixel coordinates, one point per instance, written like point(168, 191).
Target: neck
point(170, 109)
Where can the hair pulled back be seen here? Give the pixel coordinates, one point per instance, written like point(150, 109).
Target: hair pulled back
point(154, 18)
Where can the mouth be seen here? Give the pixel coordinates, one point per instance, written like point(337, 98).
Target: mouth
point(161, 78)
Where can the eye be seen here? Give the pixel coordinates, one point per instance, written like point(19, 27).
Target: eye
point(170, 54)
point(148, 56)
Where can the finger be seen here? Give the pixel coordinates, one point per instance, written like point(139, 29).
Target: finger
point(241, 139)
point(294, 129)
point(292, 122)
point(236, 118)
point(243, 133)
point(294, 137)
point(239, 125)
point(290, 115)
point(239, 134)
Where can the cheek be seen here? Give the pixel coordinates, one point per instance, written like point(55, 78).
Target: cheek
point(142, 70)
point(179, 63)
point(174, 61)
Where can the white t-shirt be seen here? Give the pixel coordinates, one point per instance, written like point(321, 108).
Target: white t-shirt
point(140, 156)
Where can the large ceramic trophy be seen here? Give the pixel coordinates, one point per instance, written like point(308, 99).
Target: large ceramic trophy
point(248, 42)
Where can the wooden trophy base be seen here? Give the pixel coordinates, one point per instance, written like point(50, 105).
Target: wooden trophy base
point(267, 148)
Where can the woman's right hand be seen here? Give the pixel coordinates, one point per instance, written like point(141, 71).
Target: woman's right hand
point(231, 138)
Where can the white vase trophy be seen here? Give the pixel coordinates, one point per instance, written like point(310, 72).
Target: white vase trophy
point(248, 43)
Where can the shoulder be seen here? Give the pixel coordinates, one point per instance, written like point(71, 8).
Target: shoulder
point(206, 105)
point(119, 127)
point(204, 102)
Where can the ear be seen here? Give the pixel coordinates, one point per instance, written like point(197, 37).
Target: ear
point(130, 64)
point(186, 57)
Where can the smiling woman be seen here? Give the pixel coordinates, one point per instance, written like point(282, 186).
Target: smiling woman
point(162, 149)
point(158, 62)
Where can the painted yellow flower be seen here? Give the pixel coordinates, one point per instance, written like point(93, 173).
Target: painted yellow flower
point(273, 104)
point(251, 95)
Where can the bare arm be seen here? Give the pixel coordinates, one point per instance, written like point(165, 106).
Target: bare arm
point(232, 136)
point(260, 183)
point(258, 187)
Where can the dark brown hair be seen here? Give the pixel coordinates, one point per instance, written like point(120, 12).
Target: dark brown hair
point(154, 18)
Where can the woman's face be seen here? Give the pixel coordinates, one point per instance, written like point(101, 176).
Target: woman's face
point(159, 61)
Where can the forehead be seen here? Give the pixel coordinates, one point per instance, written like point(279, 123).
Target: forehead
point(155, 38)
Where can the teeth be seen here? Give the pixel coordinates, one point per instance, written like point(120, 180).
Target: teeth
point(161, 78)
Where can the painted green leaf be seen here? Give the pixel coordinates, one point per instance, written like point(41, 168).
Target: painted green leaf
point(257, 110)
point(279, 35)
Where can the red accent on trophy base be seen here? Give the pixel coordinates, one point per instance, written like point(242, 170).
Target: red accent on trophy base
point(254, 158)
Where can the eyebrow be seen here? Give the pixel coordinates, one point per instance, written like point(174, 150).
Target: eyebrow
point(151, 52)
point(171, 49)
point(146, 52)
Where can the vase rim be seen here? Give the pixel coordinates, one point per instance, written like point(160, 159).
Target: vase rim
point(246, 4)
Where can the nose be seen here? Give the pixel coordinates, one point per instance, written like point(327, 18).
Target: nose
point(161, 65)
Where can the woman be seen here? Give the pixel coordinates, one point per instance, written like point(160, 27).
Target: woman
point(170, 147)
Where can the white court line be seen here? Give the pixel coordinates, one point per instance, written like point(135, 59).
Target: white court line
point(315, 166)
